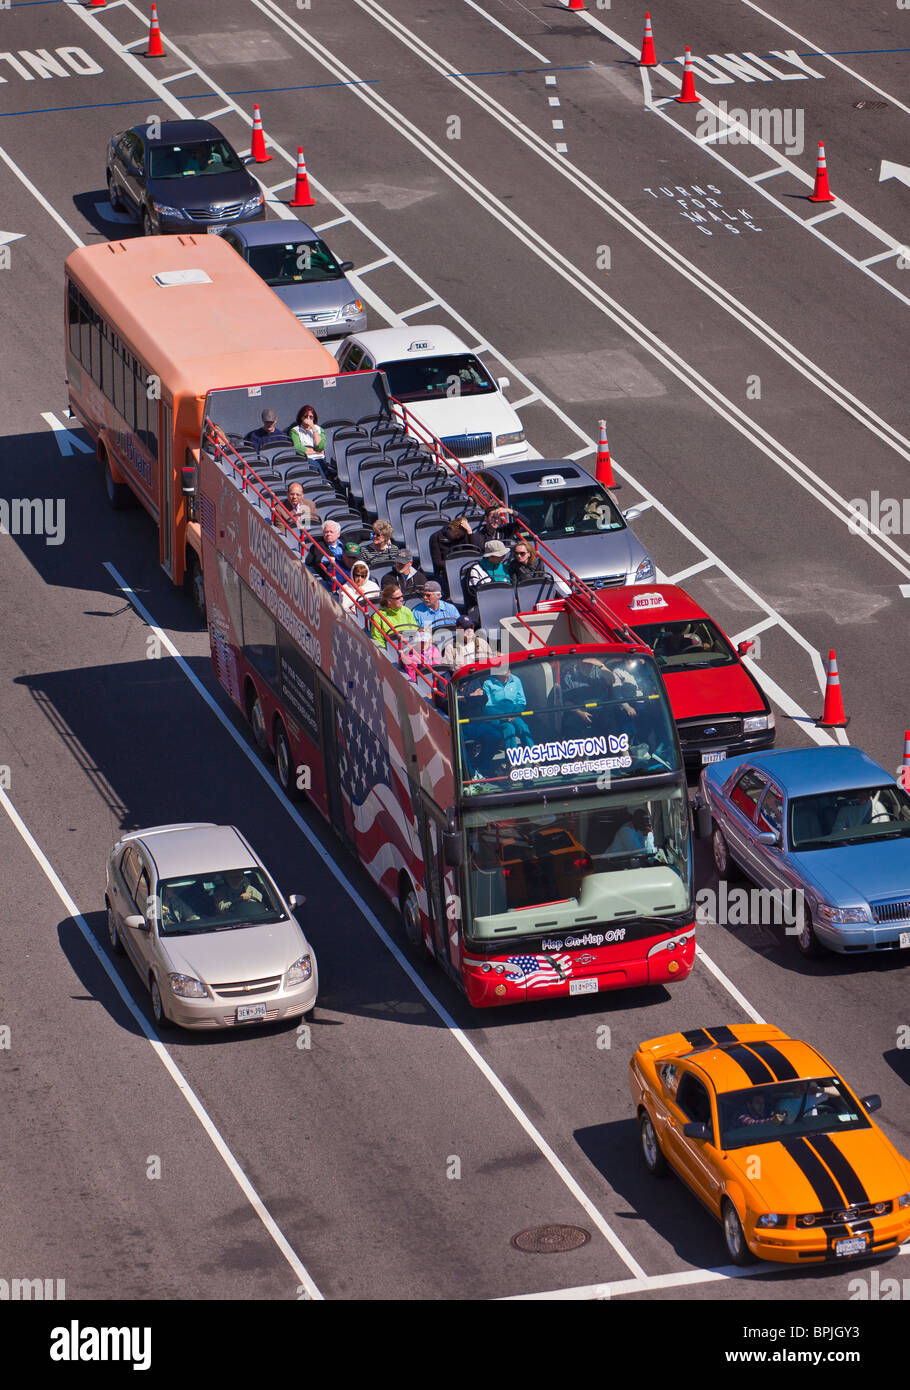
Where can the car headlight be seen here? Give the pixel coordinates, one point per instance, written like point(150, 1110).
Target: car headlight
point(904, 1199)
point(843, 914)
point(186, 987)
point(645, 572)
point(350, 311)
point(516, 437)
point(253, 203)
point(300, 971)
point(164, 211)
point(771, 1218)
point(754, 722)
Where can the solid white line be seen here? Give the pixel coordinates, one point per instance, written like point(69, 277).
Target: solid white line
point(375, 265)
point(370, 917)
point(176, 77)
point(688, 573)
point(728, 984)
point(525, 400)
point(48, 207)
point(419, 308)
point(905, 590)
point(221, 111)
point(335, 222)
point(768, 174)
point(824, 216)
point(298, 1268)
point(280, 187)
point(873, 260)
point(136, 43)
point(754, 630)
point(512, 36)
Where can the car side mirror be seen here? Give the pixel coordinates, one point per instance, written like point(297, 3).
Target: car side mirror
point(744, 648)
point(247, 159)
point(296, 900)
point(702, 820)
point(137, 922)
point(346, 266)
point(768, 837)
point(632, 514)
point(503, 383)
point(452, 848)
point(870, 1103)
point(694, 1131)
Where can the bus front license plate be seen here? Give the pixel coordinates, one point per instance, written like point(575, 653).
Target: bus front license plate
point(715, 757)
point(583, 986)
point(850, 1247)
point(245, 1012)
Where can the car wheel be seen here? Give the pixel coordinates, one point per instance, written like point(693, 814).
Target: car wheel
point(114, 196)
point(310, 1015)
point(655, 1162)
point(148, 228)
point(160, 1017)
point(723, 863)
point(284, 764)
point(808, 943)
point(257, 723)
point(195, 587)
point(118, 494)
point(112, 932)
point(734, 1235)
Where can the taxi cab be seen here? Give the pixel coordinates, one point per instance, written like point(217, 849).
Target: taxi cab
point(719, 707)
point(773, 1142)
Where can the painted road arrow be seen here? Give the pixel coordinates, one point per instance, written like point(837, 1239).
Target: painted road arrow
point(894, 171)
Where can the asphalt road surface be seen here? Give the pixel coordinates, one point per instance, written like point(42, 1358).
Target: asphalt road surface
point(507, 165)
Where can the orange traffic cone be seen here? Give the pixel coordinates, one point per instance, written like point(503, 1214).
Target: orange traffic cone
point(833, 716)
point(257, 146)
point(687, 92)
point(603, 468)
point(155, 49)
point(576, 5)
point(648, 57)
point(96, 4)
point(821, 193)
point(903, 777)
point(302, 198)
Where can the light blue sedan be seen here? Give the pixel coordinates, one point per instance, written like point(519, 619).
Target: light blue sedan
point(828, 825)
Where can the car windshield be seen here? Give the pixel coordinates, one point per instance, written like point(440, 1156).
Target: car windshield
point(553, 513)
point(559, 721)
point(849, 817)
point(687, 646)
point(595, 863)
point(763, 1114)
point(434, 378)
point(216, 902)
point(197, 158)
point(294, 263)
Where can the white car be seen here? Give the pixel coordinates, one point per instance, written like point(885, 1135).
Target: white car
point(209, 933)
point(444, 386)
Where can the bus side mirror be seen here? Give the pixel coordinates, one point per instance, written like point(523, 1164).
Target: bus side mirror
point(189, 474)
point(452, 849)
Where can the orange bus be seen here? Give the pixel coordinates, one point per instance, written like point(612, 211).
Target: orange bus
point(152, 325)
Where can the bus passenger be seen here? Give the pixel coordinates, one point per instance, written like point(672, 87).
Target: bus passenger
point(268, 432)
point(467, 646)
point(379, 546)
point(525, 563)
point(359, 587)
point(307, 436)
point(505, 695)
point(325, 556)
point(454, 536)
point(303, 511)
point(393, 617)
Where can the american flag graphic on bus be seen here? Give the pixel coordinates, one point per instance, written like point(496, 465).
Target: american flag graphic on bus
point(538, 971)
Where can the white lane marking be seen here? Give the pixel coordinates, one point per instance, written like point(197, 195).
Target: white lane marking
point(768, 174)
point(890, 170)
point(692, 570)
point(512, 36)
point(820, 53)
point(419, 308)
point(754, 630)
point(818, 735)
point(370, 917)
point(335, 222)
point(905, 590)
point(635, 226)
point(177, 76)
point(67, 442)
point(221, 111)
point(48, 207)
point(293, 1259)
point(7, 237)
point(727, 983)
point(374, 265)
point(824, 217)
point(679, 1279)
point(874, 260)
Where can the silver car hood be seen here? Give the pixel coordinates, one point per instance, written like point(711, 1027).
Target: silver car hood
point(606, 554)
point(316, 298)
point(243, 953)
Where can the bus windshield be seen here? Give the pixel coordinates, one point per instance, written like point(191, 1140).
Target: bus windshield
point(558, 721)
point(589, 866)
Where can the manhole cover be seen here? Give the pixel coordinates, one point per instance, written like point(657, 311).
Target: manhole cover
point(869, 105)
point(551, 1240)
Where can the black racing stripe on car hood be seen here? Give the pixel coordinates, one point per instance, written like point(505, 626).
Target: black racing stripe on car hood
point(698, 1037)
point(843, 1170)
point(722, 1034)
point(757, 1071)
point(783, 1070)
point(823, 1185)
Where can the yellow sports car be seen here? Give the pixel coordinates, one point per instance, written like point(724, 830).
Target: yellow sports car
point(773, 1142)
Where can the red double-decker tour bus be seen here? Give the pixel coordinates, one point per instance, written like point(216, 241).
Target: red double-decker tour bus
point(526, 810)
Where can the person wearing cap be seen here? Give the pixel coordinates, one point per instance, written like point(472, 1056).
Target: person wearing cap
point(412, 581)
point(455, 536)
point(467, 646)
point(268, 432)
point(490, 567)
point(433, 611)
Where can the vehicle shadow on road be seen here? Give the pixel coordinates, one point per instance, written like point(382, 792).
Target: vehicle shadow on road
point(96, 208)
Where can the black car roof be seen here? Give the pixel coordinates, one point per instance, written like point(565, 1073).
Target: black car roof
point(179, 132)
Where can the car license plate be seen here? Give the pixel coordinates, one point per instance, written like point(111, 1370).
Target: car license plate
point(247, 1011)
point(317, 331)
point(215, 229)
point(583, 986)
point(904, 940)
point(850, 1247)
point(716, 757)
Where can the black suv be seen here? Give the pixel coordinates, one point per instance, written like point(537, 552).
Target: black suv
point(174, 175)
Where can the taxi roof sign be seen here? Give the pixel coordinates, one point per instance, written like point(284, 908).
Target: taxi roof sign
point(420, 346)
point(649, 600)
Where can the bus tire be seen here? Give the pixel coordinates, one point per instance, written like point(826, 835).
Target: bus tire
point(410, 918)
point(195, 586)
point(257, 721)
point(284, 763)
point(118, 494)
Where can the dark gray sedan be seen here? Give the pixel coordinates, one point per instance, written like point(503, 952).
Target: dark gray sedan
point(302, 271)
point(173, 176)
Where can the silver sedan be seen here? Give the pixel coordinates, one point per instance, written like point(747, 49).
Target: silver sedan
point(206, 928)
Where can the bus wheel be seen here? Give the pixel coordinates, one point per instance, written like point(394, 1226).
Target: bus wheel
point(284, 764)
point(118, 494)
point(257, 721)
point(410, 917)
point(195, 586)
